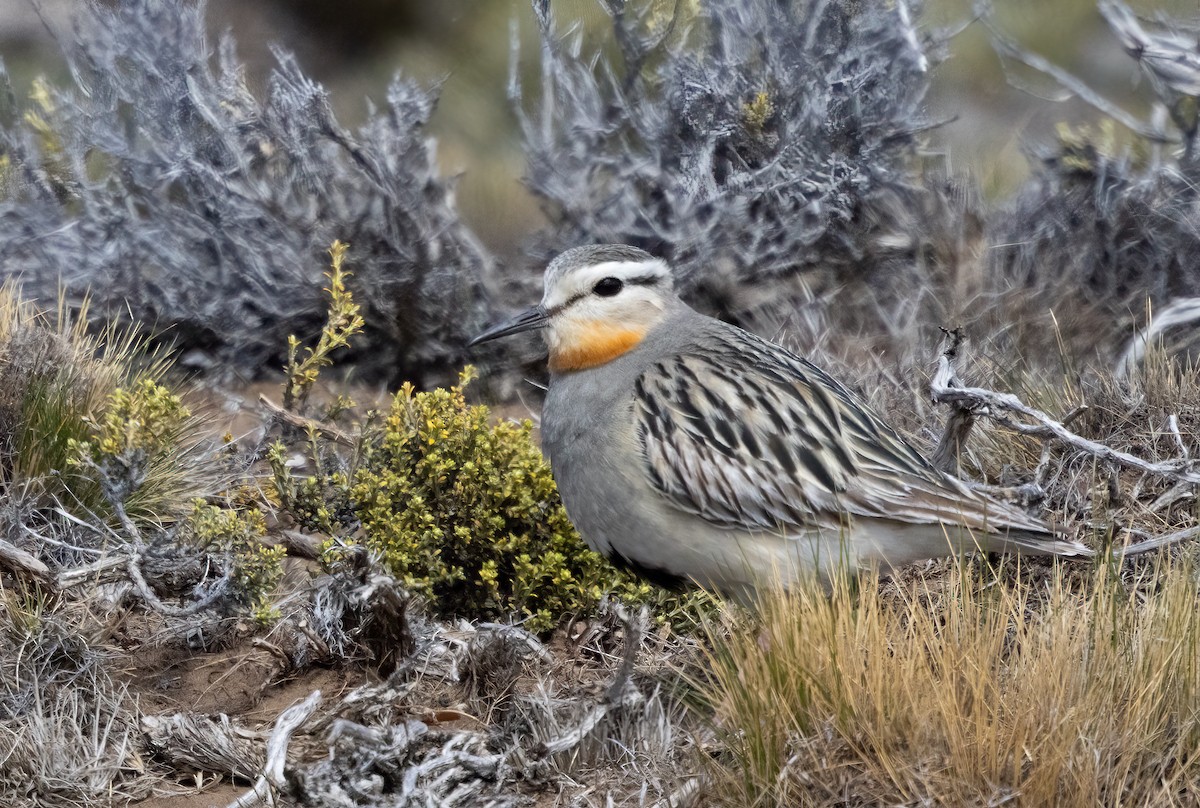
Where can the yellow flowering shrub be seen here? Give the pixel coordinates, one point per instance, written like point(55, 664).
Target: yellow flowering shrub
point(141, 420)
point(462, 510)
point(139, 447)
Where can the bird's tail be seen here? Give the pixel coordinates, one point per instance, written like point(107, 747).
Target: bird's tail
point(1035, 543)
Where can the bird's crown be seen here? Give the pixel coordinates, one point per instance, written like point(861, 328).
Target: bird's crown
point(578, 269)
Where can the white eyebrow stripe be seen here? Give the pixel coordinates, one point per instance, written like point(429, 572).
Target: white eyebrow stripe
point(587, 277)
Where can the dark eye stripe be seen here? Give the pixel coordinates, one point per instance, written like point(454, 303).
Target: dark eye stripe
point(638, 280)
point(644, 280)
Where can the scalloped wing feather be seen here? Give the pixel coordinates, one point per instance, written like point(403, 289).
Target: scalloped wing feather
point(750, 437)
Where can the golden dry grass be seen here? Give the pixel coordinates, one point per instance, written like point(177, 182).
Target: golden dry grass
point(970, 689)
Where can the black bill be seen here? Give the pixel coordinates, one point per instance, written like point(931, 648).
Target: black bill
point(527, 320)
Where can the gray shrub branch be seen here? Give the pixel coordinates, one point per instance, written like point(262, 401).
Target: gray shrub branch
point(1011, 413)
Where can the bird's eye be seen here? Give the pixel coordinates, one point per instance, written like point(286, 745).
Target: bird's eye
point(607, 287)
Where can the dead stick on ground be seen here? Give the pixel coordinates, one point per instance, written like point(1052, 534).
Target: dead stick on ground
point(102, 569)
point(287, 723)
point(962, 418)
point(1156, 542)
point(305, 424)
point(28, 564)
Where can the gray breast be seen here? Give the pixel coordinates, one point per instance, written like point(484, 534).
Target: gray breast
point(589, 437)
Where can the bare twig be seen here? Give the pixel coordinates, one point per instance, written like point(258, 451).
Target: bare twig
point(1006, 47)
point(287, 723)
point(1177, 492)
point(1043, 466)
point(618, 692)
point(1169, 58)
point(1001, 406)
point(305, 424)
point(127, 524)
point(962, 419)
point(573, 737)
point(1184, 311)
point(75, 548)
point(1173, 426)
point(17, 560)
point(1158, 542)
point(93, 572)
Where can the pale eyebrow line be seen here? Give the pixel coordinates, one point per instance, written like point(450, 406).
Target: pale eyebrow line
point(649, 279)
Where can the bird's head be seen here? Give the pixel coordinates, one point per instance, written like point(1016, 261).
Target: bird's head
point(599, 302)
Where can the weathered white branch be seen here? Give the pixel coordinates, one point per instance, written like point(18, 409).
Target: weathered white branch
point(25, 563)
point(1182, 311)
point(962, 419)
point(99, 570)
point(1157, 542)
point(1000, 407)
point(277, 745)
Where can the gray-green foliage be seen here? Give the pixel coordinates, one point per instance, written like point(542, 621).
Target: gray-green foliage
point(764, 148)
point(187, 204)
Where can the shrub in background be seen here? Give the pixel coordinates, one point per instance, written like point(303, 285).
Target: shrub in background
point(189, 206)
point(766, 149)
point(1103, 232)
point(1097, 233)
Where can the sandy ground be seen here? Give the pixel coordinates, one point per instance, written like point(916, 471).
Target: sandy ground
point(241, 682)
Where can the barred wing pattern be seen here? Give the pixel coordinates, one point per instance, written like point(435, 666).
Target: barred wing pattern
point(748, 436)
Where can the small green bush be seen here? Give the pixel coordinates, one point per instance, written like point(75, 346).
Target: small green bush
point(462, 510)
point(237, 532)
point(136, 446)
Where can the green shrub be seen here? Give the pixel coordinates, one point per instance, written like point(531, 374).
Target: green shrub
point(59, 389)
point(462, 510)
point(237, 532)
point(135, 447)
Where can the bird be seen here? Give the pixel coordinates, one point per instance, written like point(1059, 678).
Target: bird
point(690, 451)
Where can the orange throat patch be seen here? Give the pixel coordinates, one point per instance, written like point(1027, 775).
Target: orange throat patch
point(593, 343)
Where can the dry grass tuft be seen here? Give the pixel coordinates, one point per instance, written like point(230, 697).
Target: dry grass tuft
point(68, 731)
point(970, 691)
point(54, 377)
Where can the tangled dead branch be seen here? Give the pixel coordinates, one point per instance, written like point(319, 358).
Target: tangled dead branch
point(277, 745)
point(1007, 410)
point(971, 402)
